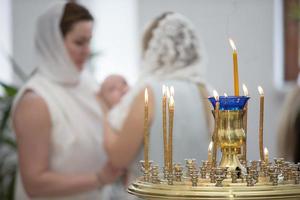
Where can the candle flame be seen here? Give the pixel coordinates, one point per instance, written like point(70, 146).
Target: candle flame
point(164, 90)
point(266, 152)
point(225, 94)
point(232, 44)
point(172, 92)
point(216, 95)
point(168, 91)
point(245, 90)
point(146, 96)
point(210, 146)
point(171, 102)
point(260, 90)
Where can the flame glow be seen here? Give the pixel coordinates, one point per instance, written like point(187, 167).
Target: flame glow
point(245, 90)
point(146, 96)
point(216, 95)
point(163, 90)
point(172, 91)
point(260, 90)
point(171, 102)
point(232, 44)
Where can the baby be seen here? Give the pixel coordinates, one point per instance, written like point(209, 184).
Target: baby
point(112, 90)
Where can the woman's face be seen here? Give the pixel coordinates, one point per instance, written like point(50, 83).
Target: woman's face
point(77, 42)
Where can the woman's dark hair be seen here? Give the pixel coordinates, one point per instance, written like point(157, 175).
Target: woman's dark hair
point(73, 13)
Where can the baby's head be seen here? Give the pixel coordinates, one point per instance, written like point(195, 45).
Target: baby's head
point(112, 89)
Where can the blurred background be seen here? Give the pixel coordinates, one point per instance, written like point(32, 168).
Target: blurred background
point(264, 31)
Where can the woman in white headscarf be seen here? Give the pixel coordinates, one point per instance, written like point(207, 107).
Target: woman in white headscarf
point(56, 116)
point(172, 56)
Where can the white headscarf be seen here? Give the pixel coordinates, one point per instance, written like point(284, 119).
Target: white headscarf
point(53, 59)
point(173, 53)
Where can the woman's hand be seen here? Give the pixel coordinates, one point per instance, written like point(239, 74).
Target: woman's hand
point(103, 106)
point(108, 174)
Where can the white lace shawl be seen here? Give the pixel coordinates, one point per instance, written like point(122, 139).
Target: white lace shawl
point(173, 53)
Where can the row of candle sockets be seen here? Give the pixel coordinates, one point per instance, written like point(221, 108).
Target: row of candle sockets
point(277, 172)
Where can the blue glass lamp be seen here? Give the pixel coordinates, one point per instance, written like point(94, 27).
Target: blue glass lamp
point(230, 102)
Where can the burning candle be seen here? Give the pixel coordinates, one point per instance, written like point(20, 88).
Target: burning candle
point(210, 149)
point(261, 121)
point(215, 134)
point(164, 110)
point(146, 132)
point(246, 93)
point(245, 122)
point(170, 148)
point(168, 92)
point(216, 95)
point(172, 92)
point(235, 68)
point(266, 155)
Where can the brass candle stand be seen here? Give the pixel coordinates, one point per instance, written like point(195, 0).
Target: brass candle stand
point(232, 177)
point(231, 137)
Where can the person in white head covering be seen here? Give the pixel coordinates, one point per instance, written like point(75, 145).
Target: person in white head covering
point(56, 116)
point(289, 126)
point(172, 56)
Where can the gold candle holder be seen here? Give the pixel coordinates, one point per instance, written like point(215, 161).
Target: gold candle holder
point(261, 122)
point(230, 137)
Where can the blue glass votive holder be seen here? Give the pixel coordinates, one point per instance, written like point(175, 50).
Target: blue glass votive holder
point(230, 102)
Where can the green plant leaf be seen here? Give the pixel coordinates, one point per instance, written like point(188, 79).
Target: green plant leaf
point(8, 167)
point(9, 90)
point(5, 118)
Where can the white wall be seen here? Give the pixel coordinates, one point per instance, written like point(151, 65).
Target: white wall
point(250, 24)
point(25, 14)
point(115, 37)
point(5, 41)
